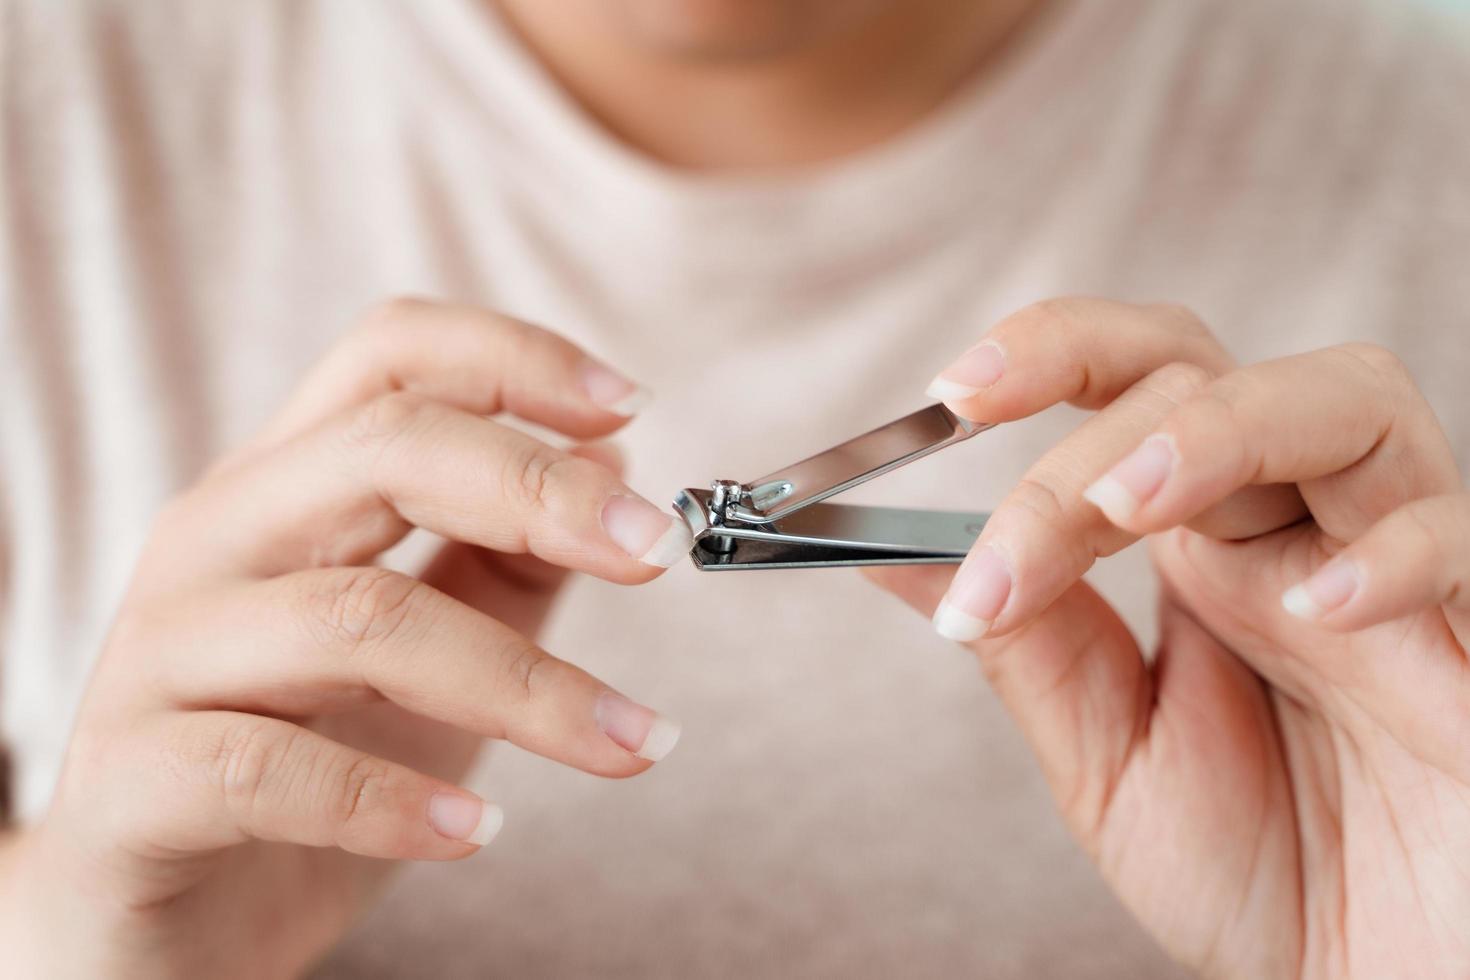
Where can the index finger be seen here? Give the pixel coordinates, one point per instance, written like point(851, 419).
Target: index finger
point(1134, 364)
point(1082, 351)
point(476, 360)
point(1347, 424)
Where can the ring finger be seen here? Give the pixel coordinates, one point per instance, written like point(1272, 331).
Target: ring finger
point(332, 639)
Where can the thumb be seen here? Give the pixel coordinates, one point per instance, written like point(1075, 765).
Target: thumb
point(1074, 680)
point(1233, 588)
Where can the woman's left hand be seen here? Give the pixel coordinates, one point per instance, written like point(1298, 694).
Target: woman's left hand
point(1284, 790)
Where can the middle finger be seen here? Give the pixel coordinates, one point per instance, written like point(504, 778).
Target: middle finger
point(1043, 537)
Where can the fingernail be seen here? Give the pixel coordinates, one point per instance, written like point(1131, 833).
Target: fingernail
point(1329, 587)
point(1134, 480)
point(465, 818)
point(612, 391)
point(652, 536)
point(975, 370)
point(642, 731)
point(976, 596)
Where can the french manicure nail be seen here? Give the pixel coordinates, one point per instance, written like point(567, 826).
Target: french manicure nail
point(974, 371)
point(642, 731)
point(975, 597)
point(465, 818)
point(1329, 587)
point(611, 391)
point(1134, 480)
point(652, 536)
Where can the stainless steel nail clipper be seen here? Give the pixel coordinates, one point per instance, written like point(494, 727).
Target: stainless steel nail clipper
point(778, 521)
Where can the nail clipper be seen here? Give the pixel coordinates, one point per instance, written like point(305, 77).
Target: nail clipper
point(779, 521)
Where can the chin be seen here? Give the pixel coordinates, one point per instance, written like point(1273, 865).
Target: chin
point(737, 29)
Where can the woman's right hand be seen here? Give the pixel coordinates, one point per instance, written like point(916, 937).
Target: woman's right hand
point(271, 709)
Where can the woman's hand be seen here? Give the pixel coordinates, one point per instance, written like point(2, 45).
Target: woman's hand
point(1285, 789)
point(271, 709)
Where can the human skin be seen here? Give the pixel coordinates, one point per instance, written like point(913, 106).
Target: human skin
point(761, 85)
point(271, 711)
point(1284, 790)
point(226, 675)
point(1271, 797)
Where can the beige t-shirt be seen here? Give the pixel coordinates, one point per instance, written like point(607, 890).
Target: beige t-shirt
point(198, 197)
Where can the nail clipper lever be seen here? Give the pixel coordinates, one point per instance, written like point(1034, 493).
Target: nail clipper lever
point(779, 521)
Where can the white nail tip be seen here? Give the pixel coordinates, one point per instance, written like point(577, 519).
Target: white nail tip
point(945, 390)
point(955, 624)
point(660, 740)
point(672, 545)
point(632, 403)
point(1296, 601)
point(492, 818)
point(1112, 498)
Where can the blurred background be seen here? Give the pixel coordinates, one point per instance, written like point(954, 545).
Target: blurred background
point(784, 236)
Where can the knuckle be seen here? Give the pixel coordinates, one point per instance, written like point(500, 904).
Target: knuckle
point(516, 344)
point(523, 668)
point(1071, 533)
point(355, 790)
point(1376, 356)
point(387, 314)
point(1036, 495)
point(1179, 380)
point(1384, 365)
point(361, 607)
point(1225, 415)
point(1179, 317)
point(378, 422)
point(519, 339)
point(530, 343)
point(1221, 399)
point(241, 759)
point(1056, 313)
point(535, 475)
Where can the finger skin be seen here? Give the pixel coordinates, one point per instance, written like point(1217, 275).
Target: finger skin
point(233, 777)
point(328, 640)
point(347, 490)
point(1406, 674)
point(1073, 679)
point(1415, 558)
point(477, 360)
point(1082, 351)
point(1047, 535)
point(1090, 353)
point(517, 590)
point(1110, 735)
point(1347, 424)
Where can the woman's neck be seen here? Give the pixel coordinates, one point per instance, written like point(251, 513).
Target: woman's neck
point(763, 89)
